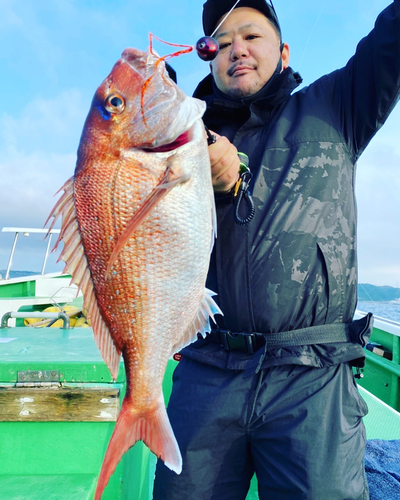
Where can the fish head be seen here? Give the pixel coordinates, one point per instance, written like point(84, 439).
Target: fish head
point(138, 106)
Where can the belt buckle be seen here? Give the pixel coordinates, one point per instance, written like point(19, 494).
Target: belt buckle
point(223, 337)
point(249, 341)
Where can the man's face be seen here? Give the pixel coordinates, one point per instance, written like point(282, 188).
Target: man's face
point(249, 53)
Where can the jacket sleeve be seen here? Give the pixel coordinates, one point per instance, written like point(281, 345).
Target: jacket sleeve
point(366, 90)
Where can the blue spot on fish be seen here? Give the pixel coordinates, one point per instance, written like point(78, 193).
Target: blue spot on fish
point(104, 113)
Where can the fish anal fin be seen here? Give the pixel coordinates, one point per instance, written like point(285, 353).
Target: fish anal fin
point(201, 322)
point(152, 427)
point(169, 180)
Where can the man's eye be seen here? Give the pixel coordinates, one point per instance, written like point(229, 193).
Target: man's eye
point(223, 45)
point(252, 37)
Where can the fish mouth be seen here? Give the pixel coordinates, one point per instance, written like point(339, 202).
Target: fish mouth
point(177, 143)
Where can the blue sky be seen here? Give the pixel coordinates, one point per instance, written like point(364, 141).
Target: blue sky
point(55, 53)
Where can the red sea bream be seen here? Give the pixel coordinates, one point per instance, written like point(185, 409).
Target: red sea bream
point(137, 226)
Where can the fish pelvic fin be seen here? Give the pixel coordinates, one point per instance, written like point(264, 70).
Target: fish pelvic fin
point(152, 427)
point(169, 180)
point(76, 264)
point(201, 322)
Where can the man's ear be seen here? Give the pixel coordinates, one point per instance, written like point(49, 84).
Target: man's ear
point(285, 56)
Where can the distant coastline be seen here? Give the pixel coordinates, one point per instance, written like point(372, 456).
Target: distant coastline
point(373, 293)
point(17, 274)
point(366, 292)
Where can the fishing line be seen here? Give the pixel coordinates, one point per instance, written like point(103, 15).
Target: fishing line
point(207, 47)
point(311, 33)
point(370, 298)
point(223, 20)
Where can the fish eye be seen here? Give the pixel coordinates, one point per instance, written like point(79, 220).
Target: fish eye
point(115, 104)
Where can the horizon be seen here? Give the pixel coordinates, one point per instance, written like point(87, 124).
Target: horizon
point(26, 273)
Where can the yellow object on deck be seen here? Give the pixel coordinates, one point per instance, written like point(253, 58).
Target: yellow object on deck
point(72, 311)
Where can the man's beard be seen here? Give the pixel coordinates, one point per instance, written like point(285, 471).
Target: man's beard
point(238, 93)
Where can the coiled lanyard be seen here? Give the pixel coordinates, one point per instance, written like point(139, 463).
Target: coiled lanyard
point(240, 189)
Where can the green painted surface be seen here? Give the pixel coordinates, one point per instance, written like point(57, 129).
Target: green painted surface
point(73, 352)
point(62, 460)
point(21, 289)
point(47, 487)
point(26, 287)
point(54, 451)
point(381, 375)
point(382, 421)
point(65, 453)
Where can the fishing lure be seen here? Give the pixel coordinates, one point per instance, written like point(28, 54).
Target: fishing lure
point(207, 47)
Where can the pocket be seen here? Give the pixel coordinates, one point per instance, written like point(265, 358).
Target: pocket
point(325, 277)
point(335, 278)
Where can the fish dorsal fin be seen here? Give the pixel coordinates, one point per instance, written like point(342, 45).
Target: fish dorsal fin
point(169, 179)
point(201, 322)
point(76, 264)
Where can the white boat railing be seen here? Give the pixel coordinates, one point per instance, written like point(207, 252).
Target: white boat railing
point(25, 232)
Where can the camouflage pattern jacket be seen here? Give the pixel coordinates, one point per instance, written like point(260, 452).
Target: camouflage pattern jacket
point(295, 264)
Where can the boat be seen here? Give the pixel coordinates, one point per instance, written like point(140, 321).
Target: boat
point(381, 374)
point(35, 292)
point(59, 404)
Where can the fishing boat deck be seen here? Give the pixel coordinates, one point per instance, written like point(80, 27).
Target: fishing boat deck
point(382, 421)
point(33, 453)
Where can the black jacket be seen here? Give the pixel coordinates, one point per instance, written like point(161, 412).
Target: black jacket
point(295, 264)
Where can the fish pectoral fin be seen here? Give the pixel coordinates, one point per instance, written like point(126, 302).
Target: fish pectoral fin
point(201, 322)
point(170, 179)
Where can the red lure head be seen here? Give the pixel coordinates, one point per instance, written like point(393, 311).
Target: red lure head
point(207, 48)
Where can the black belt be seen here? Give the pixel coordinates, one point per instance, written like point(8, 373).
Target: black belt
point(251, 342)
point(237, 341)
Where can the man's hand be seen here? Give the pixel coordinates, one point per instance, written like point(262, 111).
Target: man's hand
point(225, 164)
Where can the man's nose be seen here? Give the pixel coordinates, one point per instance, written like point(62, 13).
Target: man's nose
point(238, 49)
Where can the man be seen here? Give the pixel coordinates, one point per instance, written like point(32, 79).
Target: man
point(271, 390)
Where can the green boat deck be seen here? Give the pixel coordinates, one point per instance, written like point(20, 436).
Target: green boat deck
point(382, 369)
point(60, 457)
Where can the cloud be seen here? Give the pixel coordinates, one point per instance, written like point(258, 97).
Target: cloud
point(377, 190)
point(38, 153)
point(38, 156)
point(30, 182)
point(48, 125)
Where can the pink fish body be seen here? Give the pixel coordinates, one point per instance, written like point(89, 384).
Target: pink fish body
point(137, 225)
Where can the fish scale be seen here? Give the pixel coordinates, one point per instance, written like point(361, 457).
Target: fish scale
point(138, 225)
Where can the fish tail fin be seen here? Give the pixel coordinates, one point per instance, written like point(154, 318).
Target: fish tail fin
point(152, 427)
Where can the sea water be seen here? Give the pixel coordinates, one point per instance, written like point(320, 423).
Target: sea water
point(387, 310)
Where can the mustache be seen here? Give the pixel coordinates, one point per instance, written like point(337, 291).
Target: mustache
point(232, 69)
